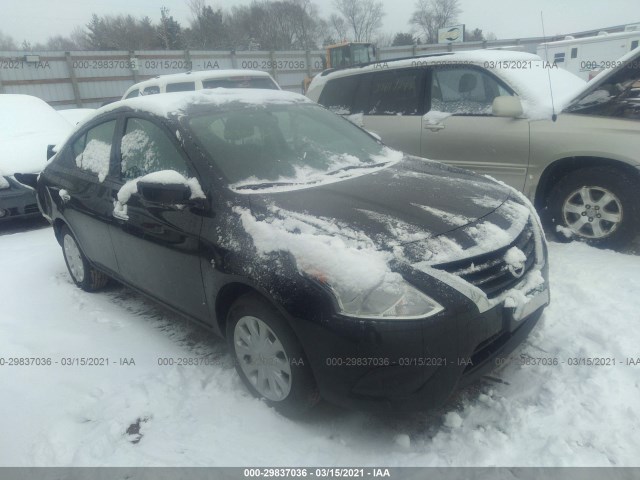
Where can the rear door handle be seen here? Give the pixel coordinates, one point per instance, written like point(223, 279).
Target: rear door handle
point(434, 127)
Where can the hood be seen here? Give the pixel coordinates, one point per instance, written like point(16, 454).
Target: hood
point(592, 93)
point(423, 208)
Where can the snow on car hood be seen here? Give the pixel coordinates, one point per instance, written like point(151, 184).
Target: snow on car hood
point(27, 153)
point(27, 126)
point(417, 212)
point(424, 211)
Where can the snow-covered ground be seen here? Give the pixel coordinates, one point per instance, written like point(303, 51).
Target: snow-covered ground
point(542, 415)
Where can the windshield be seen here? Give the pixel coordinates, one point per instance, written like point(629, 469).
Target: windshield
point(256, 147)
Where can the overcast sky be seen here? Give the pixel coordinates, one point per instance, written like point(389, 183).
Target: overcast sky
point(36, 20)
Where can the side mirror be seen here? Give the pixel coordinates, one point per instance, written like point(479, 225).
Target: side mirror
point(164, 194)
point(506, 106)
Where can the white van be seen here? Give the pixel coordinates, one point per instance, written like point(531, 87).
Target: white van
point(588, 56)
point(182, 82)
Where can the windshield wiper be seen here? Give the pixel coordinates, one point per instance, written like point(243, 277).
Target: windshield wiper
point(260, 186)
point(353, 167)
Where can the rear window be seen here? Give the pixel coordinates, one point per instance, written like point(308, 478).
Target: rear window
point(181, 87)
point(338, 94)
point(240, 82)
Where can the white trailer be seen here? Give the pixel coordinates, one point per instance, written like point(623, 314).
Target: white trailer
point(587, 56)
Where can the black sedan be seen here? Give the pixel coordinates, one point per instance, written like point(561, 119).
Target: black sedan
point(334, 266)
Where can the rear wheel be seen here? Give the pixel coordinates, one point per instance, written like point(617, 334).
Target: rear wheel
point(598, 205)
point(268, 356)
point(82, 273)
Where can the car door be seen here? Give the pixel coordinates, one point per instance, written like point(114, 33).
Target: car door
point(392, 103)
point(157, 245)
point(459, 128)
point(84, 195)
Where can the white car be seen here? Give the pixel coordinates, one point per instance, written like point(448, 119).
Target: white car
point(183, 82)
point(28, 125)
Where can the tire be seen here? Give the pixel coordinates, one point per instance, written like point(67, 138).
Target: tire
point(82, 273)
point(578, 198)
point(282, 376)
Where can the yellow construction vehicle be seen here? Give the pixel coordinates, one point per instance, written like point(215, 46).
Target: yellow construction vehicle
point(346, 54)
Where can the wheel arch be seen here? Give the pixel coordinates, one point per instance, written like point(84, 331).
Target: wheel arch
point(561, 167)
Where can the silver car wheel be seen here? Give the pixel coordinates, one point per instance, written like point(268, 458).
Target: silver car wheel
point(262, 358)
point(592, 212)
point(74, 258)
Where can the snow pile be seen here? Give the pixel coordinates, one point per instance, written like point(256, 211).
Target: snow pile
point(95, 158)
point(4, 184)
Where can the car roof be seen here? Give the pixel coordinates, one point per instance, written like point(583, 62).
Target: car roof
point(200, 75)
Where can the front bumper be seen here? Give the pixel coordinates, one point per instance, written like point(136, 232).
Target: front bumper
point(414, 365)
point(17, 201)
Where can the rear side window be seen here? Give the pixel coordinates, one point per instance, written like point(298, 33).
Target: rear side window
point(396, 92)
point(92, 151)
point(146, 148)
point(181, 87)
point(574, 52)
point(634, 44)
point(464, 91)
point(338, 94)
point(240, 82)
point(152, 90)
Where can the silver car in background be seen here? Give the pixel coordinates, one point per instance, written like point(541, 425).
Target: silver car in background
point(572, 147)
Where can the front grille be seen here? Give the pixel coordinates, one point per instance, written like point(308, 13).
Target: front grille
point(31, 208)
point(489, 271)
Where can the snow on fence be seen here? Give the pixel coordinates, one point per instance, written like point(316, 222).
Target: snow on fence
point(90, 78)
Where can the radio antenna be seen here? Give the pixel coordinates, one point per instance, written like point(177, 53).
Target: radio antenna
point(554, 117)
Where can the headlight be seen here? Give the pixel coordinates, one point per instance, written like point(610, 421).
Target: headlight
point(393, 300)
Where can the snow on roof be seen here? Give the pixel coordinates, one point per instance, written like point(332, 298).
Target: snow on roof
point(525, 73)
point(591, 39)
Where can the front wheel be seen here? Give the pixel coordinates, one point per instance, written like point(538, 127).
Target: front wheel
point(268, 356)
point(82, 273)
point(598, 205)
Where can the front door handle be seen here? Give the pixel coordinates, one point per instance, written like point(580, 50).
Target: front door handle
point(434, 127)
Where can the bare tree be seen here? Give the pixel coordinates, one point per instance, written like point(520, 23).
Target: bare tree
point(6, 42)
point(431, 15)
point(338, 28)
point(362, 17)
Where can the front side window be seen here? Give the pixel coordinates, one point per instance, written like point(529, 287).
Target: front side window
point(133, 93)
point(284, 144)
point(146, 148)
point(396, 92)
point(92, 151)
point(464, 91)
